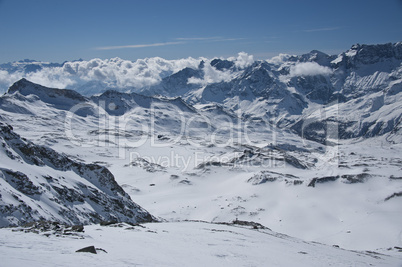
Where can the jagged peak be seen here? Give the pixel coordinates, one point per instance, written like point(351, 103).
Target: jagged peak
point(201, 65)
point(257, 66)
point(18, 84)
point(314, 56)
point(222, 64)
point(372, 53)
point(318, 52)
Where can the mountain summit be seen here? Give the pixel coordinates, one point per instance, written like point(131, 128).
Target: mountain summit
point(50, 95)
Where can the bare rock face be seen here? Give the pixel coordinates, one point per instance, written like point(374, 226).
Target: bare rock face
point(90, 249)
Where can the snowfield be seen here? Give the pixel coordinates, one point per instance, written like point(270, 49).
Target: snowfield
point(177, 244)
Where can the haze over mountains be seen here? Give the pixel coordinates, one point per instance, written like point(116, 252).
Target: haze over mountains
point(307, 145)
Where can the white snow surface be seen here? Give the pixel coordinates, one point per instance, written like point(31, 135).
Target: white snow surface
point(177, 244)
point(179, 163)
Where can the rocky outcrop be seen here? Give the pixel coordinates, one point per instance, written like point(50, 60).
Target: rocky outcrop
point(37, 184)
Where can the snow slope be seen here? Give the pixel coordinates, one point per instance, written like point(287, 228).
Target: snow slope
point(37, 183)
point(203, 162)
point(178, 244)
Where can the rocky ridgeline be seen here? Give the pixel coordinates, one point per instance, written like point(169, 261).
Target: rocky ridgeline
point(39, 184)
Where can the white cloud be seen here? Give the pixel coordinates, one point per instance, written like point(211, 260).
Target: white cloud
point(137, 46)
point(119, 73)
point(308, 69)
point(212, 75)
point(323, 29)
point(279, 59)
point(198, 38)
point(210, 39)
point(114, 73)
point(243, 60)
point(51, 77)
point(6, 79)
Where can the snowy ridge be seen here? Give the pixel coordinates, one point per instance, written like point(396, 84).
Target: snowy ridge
point(60, 98)
point(37, 183)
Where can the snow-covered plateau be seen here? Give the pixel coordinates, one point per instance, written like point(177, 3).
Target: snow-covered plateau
point(294, 160)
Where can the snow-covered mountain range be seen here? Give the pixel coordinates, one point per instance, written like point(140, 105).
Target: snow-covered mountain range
point(307, 145)
point(286, 90)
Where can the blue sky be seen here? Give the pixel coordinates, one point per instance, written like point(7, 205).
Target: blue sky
point(56, 30)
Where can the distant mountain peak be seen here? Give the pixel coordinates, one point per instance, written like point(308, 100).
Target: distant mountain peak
point(388, 50)
point(63, 98)
point(317, 52)
point(28, 60)
point(222, 64)
point(20, 84)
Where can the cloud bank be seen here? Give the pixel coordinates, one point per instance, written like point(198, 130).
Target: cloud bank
point(279, 59)
point(109, 73)
point(212, 75)
point(96, 75)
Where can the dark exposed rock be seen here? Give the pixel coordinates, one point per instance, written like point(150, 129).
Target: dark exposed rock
point(222, 64)
point(20, 182)
point(107, 223)
point(212, 163)
point(77, 228)
point(294, 162)
point(146, 165)
point(356, 178)
point(399, 194)
point(254, 225)
point(90, 249)
point(185, 182)
point(262, 177)
point(297, 182)
point(326, 179)
point(174, 177)
point(101, 249)
point(48, 228)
